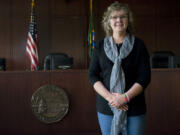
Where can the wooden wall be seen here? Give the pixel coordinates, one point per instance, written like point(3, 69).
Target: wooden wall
point(163, 101)
point(63, 27)
point(17, 88)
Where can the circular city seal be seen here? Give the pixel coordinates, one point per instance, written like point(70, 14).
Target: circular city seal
point(50, 103)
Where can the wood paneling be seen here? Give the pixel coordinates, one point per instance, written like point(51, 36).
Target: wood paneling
point(69, 8)
point(19, 33)
point(15, 100)
point(5, 32)
point(16, 89)
point(44, 26)
point(68, 36)
point(147, 32)
point(63, 27)
point(162, 98)
point(168, 32)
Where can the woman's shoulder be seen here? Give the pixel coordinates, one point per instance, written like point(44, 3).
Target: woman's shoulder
point(140, 46)
point(139, 41)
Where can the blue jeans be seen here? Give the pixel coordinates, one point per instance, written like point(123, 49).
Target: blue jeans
point(135, 124)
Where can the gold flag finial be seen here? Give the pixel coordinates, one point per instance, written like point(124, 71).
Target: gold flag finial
point(32, 3)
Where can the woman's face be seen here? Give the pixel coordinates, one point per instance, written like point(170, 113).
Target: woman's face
point(119, 21)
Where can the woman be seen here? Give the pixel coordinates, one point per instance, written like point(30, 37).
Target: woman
point(119, 72)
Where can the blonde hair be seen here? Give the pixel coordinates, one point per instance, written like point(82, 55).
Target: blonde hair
point(116, 6)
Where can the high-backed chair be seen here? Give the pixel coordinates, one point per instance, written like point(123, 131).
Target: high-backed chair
point(2, 64)
point(57, 61)
point(162, 59)
point(177, 61)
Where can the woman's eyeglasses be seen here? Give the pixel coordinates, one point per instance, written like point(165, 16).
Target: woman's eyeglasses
point(120, 17)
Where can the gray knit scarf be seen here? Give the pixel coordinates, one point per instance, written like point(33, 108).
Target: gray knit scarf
point(117, 79)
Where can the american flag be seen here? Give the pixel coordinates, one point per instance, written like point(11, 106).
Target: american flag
point(32, 42)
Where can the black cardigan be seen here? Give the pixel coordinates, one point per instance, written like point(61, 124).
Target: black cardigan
point(136, 67)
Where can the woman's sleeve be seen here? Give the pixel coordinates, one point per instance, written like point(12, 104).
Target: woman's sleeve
point(94, 68)
point(144, 69)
